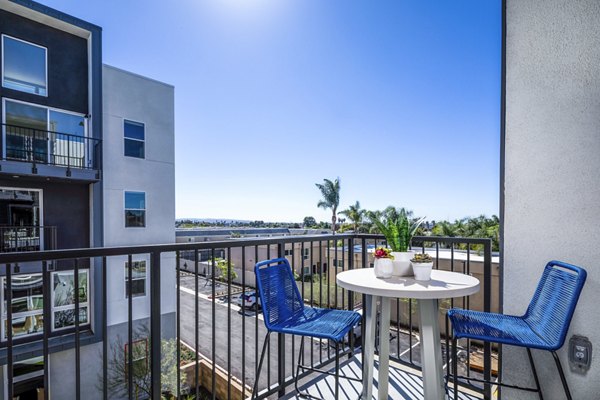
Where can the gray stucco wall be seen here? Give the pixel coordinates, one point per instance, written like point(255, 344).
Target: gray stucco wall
point(552, 171)
point(62, 364)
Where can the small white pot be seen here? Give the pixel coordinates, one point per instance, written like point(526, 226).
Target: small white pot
point(402, 263)
point(383, 268)
point(422, 271)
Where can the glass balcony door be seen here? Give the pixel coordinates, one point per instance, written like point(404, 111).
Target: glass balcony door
point(44, 135)
point(67, 145)
point(26, 132)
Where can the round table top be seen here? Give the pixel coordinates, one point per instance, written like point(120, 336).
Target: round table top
point(443, 284)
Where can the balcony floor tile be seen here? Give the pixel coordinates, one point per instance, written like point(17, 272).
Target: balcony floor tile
point(405, 384)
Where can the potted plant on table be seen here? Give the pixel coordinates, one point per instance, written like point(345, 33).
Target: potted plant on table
point(383, 263)
point(422, 265)
point(398, 228)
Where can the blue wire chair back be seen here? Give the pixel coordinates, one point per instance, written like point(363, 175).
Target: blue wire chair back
point(550, 312)
point(280, 297)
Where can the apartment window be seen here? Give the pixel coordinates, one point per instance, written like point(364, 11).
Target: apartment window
point(306, 254)
point(63, 299)
point(140, 358)
point(28, 303)
point(28, 378)
point(135, 209)
point(134, 133)
point(24, 66)
point(138, 278)
point(338, 263)
point(288, 252)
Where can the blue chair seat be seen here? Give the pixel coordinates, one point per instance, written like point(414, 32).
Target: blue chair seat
point(499, 328)
point(319, 322)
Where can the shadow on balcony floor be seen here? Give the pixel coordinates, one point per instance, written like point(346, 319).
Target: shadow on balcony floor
point(405, 384)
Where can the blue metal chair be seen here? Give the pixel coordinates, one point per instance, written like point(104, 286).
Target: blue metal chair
point(544, 325)
point(284, 312)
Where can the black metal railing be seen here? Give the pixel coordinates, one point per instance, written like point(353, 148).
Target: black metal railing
point(206, 345)
point(52, 148)
point(27, 238)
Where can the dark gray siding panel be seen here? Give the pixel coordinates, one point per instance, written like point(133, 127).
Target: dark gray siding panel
point(67, 63)
point(66, 206)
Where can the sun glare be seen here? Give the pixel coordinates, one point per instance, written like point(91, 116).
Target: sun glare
point(248, 11)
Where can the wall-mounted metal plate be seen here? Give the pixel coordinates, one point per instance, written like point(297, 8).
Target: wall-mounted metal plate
point(580, 353)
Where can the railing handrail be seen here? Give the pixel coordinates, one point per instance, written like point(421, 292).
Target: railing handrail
point(171, 247)
point(160, 248)
point(27, 226)
point(55, 132)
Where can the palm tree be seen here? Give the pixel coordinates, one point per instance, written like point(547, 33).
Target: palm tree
point(354, 214)
point(331, 198)
point(445, 228)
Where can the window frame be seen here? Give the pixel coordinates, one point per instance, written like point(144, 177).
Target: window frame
point(31, 44)
point(306, 253)
point(145, 278)
point(134, 209)
point(24, 377)
point(87, 304)
point(23, 314)
point(142, 341)
point(52, 309)
point(125, 138)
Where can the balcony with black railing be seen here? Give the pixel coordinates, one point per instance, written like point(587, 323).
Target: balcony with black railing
point(202, 336)
point(67, 155)
point(27, 238)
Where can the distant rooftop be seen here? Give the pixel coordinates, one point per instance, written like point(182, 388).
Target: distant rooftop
point(221, 231)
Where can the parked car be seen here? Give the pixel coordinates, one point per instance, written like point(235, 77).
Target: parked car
point(249, 300)
point(357, 331)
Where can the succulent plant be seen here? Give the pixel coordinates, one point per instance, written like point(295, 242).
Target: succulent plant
point(422, 258)
point(382, 252)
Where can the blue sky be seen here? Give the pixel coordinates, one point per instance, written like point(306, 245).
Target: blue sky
point(400, 99)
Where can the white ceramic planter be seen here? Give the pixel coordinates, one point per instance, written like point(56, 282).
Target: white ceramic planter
point(402, 263)
point(422, 271)
point(383, 268)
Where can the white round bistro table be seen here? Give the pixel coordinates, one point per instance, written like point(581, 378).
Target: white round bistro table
point(443, 285)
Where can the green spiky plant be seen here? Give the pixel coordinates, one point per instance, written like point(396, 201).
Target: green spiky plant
point(397, 226)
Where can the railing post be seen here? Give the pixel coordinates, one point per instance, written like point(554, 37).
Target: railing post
point(487, 307)
point(281, 342)
point(350, 266)
point(155, 358)
point(34, 163)
point(68, 156)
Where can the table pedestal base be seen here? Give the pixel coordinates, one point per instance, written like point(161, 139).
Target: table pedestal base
point(431, 352)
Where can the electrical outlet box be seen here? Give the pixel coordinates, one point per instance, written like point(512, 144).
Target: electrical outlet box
point(580, 353)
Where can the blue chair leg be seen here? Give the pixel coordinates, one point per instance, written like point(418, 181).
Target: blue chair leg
point(337, 370)
point(260, 363)
point(455, 367)
point(562, 376)
point(300, 361)
point(447, 350)
point(535, 376)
